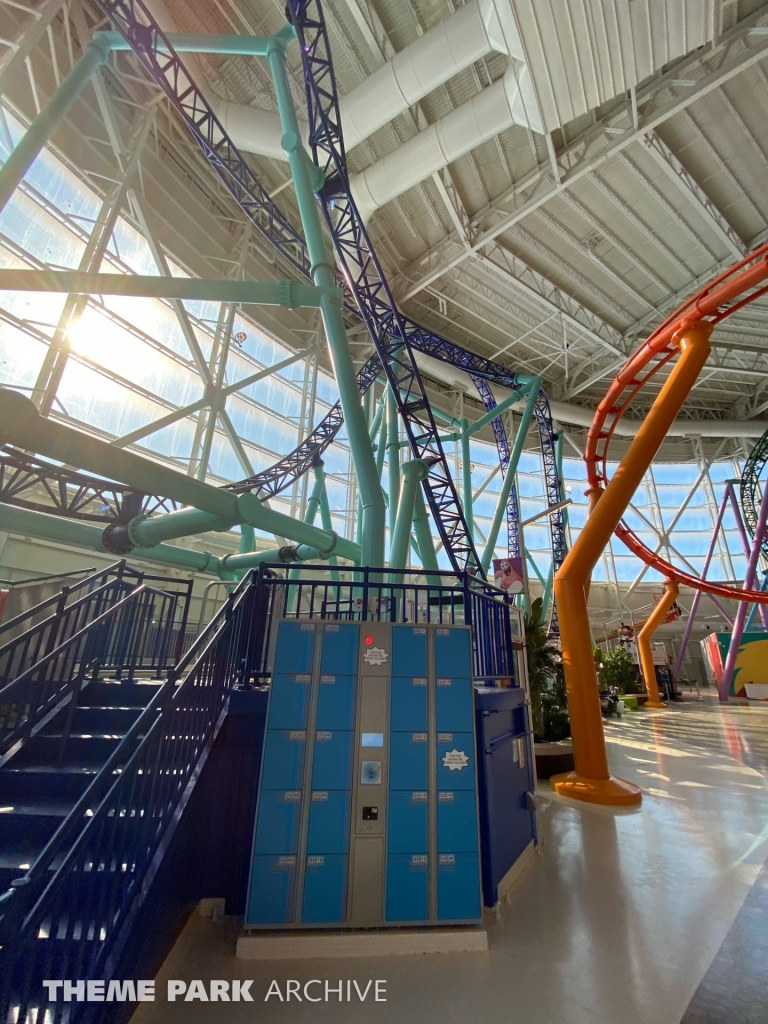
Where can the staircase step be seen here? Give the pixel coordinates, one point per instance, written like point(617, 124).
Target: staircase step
point(23, 836)
point(112, 693)
point(93, 721)
point(29, 785)
point(53, 752)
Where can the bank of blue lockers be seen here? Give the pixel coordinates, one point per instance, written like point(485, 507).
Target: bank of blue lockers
point(367, 813)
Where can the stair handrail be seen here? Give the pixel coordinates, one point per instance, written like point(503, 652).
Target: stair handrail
point(115, 569)
point(20, 903)
point(34, 716)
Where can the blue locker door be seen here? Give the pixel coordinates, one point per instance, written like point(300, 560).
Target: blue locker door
point(283, 765)
point(340, 648)
point(328, 822)
point(271, 896)
point(455, 760)
point(407, 822)
point(295, 649)
point(456, 822)
point(407, 887)
point(458, 887)
point(408, 760)
point(454, 704)
point(289, 700)
point(453, 654)
point(325, 889)
point(336, 702)
point(409, 650)
point(332, 760)
point(277, 824)
point(408, 704)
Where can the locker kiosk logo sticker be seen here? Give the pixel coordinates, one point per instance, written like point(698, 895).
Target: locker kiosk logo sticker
point(454, 760)
point(376, 656)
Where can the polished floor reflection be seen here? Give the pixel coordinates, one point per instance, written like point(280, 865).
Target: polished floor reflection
point(616, 921)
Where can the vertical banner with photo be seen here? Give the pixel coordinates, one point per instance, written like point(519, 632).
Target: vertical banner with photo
point(509, 574)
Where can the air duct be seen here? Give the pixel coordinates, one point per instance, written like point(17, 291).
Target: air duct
point(508, 101)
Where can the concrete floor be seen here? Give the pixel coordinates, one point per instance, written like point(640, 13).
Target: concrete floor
point(616, 921)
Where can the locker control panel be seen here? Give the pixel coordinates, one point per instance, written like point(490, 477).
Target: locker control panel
point(367, 807)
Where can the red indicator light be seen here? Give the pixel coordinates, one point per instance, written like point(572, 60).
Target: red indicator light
point(369, 640)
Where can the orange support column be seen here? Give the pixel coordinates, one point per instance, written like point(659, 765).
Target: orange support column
point(591, 781)
point(671, 593)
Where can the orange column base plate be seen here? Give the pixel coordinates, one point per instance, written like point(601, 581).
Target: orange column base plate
point(611, 791)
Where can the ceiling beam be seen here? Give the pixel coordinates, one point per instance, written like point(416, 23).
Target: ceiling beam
point(740, 49)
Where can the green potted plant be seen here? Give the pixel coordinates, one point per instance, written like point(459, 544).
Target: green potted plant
point(549, 705)
point(617, 668)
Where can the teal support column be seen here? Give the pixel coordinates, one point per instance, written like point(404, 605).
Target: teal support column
point(48, 120)
point(393, 459)
point(512, 398)
point(413, 473)
point(247, 539)
point(183, 42)
point(381, 448)
point(424, 537)
point(306, 178)
point(466, 478)
point(313, 504)
point(325, 515)
point(86, 535)
point(509, 476)
point(372, 432)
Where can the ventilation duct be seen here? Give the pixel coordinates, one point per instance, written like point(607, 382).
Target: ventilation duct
point(508, 101)
point(466, 36)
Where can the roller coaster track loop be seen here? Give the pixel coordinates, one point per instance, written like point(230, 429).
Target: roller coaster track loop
point(750, 477)
point(157, 57)
point(735, 288)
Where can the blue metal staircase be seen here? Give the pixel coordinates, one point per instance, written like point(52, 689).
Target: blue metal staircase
point(101, 743)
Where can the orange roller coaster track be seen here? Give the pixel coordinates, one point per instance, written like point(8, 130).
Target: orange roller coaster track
point(744, 282)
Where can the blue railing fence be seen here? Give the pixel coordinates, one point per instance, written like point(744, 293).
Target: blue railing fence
point(40, 630)
point(135, 633)
point(370, 595)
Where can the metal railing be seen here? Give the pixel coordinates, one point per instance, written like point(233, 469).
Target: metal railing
point(52, 622)
point(447, 597)
point(70, 913)
point(138, 632)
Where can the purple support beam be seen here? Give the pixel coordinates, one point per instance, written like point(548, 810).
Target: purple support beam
point(697, 596)
point(745, 542)
point(741, 614)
